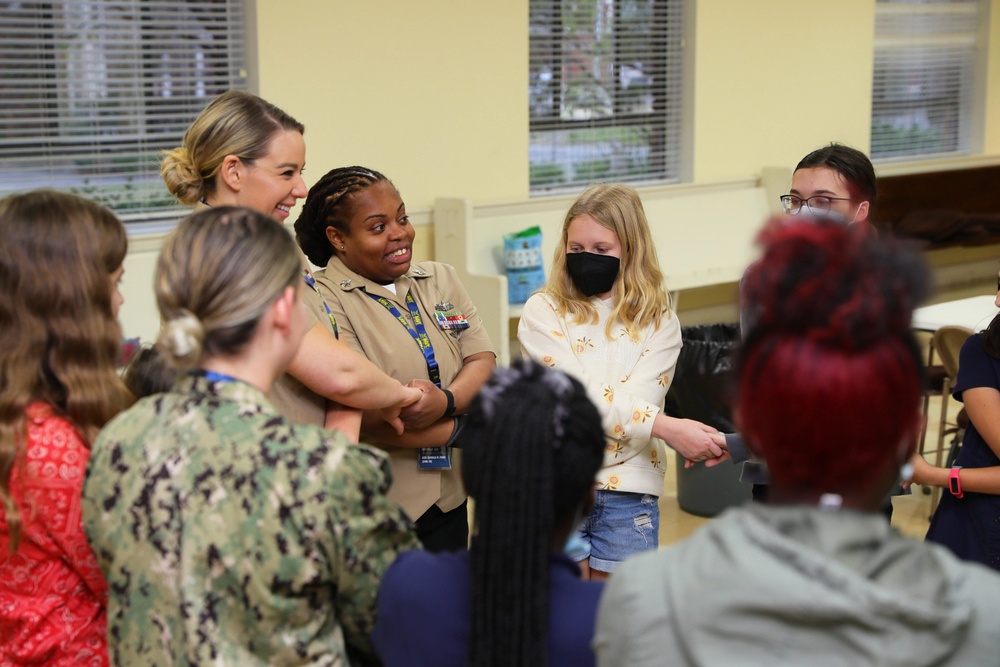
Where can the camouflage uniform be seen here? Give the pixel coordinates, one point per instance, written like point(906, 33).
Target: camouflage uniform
point(230, 536)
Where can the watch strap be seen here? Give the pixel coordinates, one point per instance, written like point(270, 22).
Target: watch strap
point(955, 482)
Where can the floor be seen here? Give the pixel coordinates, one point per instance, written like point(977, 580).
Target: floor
point(910, 514)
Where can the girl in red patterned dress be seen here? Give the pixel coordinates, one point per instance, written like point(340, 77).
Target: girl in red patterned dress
point(60, 261)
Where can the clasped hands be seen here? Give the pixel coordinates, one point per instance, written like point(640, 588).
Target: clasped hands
point(697, 443)
point(428, 409)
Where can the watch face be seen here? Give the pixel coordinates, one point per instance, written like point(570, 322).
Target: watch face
point(954, 484)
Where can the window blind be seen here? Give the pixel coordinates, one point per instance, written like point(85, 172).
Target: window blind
point(926, 68)
point(93, 90)
point(604, 88)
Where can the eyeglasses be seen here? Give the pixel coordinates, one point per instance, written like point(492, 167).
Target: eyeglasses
point(818, 204)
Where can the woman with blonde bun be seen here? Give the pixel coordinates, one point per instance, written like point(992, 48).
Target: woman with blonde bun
point(244, 151)
point(227, 533)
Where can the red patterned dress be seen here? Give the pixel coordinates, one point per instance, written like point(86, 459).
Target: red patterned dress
point(52, 594)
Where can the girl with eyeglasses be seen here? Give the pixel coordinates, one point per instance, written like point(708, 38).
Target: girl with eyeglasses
point(834, 183)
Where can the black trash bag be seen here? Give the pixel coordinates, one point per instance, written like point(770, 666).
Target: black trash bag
point(704, 379)
point(703, 388)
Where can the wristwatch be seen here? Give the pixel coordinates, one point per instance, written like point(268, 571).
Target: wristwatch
point(955, 482)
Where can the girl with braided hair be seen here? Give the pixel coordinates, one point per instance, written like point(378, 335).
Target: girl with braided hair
point(604, 318)
point(829, 393)
point(533, 442)
point(245, 151)
point(416, 322)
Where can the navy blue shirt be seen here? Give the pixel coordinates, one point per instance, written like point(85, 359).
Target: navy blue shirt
point(970, 526)
point(423, 612)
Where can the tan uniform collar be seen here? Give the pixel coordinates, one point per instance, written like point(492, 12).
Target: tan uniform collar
point(338, 274)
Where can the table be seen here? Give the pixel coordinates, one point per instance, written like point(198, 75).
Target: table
point(974, 312)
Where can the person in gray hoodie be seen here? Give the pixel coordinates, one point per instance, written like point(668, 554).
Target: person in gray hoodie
point(829, 392)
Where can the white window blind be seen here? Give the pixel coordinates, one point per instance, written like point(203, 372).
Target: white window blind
point(927, 63)
point(604, 90)
point(92, 91)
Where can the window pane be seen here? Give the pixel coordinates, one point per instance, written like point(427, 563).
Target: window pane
point(604, 91)
point(924, 79)
point(94, 91)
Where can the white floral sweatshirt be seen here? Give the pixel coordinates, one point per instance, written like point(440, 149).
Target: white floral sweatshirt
point(627, 378)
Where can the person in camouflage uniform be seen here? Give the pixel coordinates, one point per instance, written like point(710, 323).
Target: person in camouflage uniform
point(227, 534)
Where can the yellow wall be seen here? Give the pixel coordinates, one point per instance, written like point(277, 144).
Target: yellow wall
point(991, 143)
point(431, 93)
point(776, 79)
point(434, 93)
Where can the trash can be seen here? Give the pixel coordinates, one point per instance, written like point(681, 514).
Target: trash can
point(703, 387)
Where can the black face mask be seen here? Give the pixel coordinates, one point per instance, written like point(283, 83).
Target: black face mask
point(592, 274)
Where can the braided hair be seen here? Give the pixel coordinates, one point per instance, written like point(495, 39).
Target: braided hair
point(327, 205)
point(533, 444)
point(830, 374)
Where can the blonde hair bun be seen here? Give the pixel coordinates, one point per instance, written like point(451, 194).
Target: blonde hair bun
point(181, 176)
point(181, 339)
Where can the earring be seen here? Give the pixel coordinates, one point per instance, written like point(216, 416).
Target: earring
point(342, 247)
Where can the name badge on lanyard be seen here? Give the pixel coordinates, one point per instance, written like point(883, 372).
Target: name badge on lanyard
point(429, 458)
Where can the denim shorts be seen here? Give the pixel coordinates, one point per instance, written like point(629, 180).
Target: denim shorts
point(622, 524)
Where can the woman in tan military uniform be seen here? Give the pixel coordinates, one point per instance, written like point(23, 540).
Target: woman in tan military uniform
point(416, 322)
point(244, 151)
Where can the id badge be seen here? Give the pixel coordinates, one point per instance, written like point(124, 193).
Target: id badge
point(434, 458)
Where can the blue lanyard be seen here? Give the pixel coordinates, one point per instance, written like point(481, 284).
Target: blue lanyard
point(212, 376)
point(419, 334)
point(329, 313)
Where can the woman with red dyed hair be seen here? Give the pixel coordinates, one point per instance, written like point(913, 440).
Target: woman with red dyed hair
point(835, 183)
point(829, 395)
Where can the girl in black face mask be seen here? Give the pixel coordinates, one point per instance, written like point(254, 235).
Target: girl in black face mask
point(604, 317)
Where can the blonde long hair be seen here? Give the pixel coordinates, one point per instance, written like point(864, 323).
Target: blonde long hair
point(59, 338)
point(639, 293)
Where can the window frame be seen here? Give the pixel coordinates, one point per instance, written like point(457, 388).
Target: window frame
point(85, 146)
point(969, 101)
point(668, 143)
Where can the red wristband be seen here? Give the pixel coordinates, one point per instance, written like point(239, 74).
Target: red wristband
point(955, 482)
